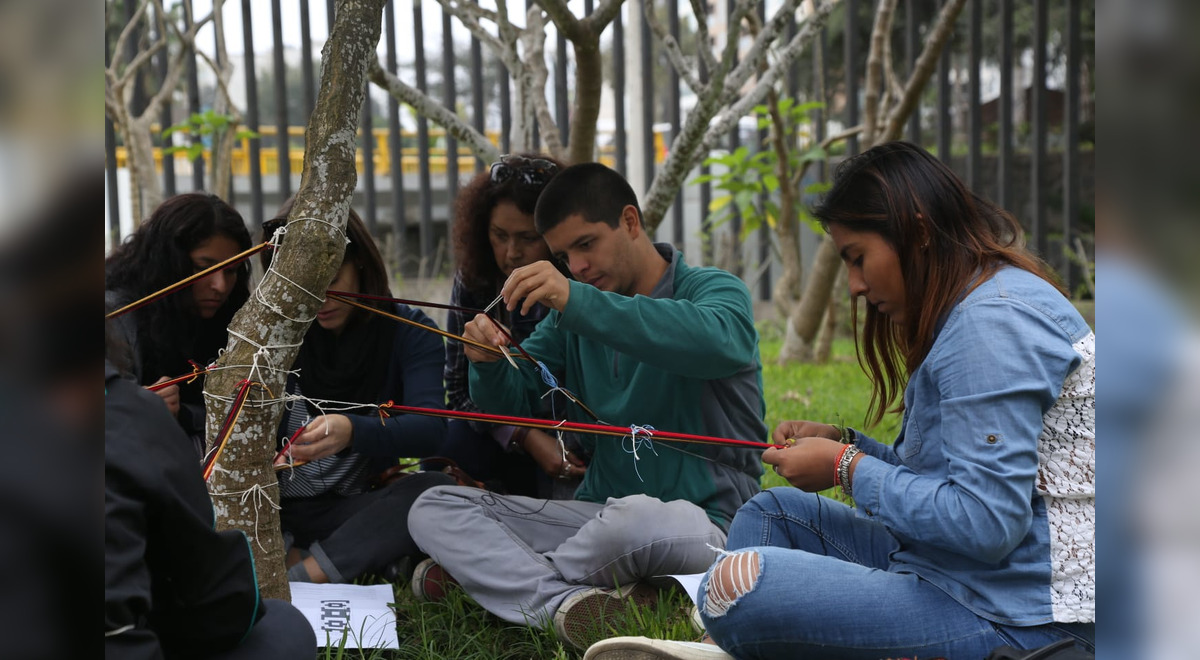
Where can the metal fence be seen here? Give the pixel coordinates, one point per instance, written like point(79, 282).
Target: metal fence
point(1019, 144)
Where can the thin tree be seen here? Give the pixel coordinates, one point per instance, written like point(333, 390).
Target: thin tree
point(266, 333)
point(120, 79)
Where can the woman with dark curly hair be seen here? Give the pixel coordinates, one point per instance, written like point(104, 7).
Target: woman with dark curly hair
point(494, 235)
point(184, 235)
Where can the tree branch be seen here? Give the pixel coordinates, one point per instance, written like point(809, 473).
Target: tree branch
point(601, 16)
point(678, 60)
point(762, 42)
point(534, 40)
point(469, 14)
point(725, 121)
point(704, 37)
point(434, 111)
point(562, 17)
point(922, 70)
point(119, 48)
point(700, 131)
point(883, 25)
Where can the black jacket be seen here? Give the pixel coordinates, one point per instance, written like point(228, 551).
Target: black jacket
point(173, 586)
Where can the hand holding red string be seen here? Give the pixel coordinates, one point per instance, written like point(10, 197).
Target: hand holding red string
point(539, 282)
point(324, 436)
point(169, 395)
point(484, 330)
point(808, 465)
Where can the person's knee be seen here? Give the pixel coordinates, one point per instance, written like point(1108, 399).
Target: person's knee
point(729, 579)
point(286, 633)
point(636, 516)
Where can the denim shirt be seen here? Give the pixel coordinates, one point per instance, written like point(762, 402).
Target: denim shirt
point(990, 486)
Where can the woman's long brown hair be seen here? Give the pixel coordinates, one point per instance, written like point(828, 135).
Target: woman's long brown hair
point(948, 239)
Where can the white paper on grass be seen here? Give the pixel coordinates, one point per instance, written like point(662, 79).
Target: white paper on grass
point(690, 584)
point(358, 613)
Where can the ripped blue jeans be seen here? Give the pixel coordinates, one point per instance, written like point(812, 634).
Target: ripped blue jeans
point(804, 577)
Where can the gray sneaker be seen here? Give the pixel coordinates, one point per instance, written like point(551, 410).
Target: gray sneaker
point(644, 648)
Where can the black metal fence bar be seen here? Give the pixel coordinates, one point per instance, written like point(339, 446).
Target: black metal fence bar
point(450, 100)
point(1038, 157)
point(1071, 131)
point(307, 74)
point(399, 221)
point(974, 111)
point(367, 123)
point(1005, 130)
point(912, 50)
point(675, 116)
point(165, 120)
point(256, 190)
point(283, 161)
point(562, 112)
point(850, 61)
point(477, 99)
point(423, 147)
point(193, 95)
point(647, 75)
point(944, 126)
point(620, 155)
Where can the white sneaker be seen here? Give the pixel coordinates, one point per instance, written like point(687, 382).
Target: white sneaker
point(644, 648)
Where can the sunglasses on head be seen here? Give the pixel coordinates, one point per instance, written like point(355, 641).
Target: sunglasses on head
point(528, 171)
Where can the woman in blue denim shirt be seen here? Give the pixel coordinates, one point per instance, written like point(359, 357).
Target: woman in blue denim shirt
point(975, 529)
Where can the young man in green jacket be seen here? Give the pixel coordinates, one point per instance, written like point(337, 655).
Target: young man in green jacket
point(642, 339)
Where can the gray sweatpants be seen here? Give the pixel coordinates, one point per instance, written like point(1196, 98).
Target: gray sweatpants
point(520, 557)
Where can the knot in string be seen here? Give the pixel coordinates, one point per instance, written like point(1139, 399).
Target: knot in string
point(640, 436)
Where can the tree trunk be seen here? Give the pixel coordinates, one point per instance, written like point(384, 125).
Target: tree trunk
point(266, 333)
point(142, 174)
point(806, 317)
point(828, 331)
point(589, 84)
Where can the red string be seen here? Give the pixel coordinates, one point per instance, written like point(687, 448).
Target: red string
point(226, 428)
point(197, 371)
point(582, 427)
point(187, 281)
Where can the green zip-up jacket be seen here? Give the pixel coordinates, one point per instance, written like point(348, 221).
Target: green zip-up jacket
point(683, 359)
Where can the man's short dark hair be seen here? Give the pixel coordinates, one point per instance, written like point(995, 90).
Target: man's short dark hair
point(590, 190)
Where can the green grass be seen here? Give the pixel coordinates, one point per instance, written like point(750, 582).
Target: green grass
point(458, 628)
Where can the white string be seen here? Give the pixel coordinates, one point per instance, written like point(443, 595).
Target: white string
point(638, 442)
point(259, 494)
point(276, 240)
point(263, 351)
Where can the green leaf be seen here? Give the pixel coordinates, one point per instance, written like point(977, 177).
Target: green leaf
point(817, 188)
point(246, 134)
point(195, 151)
point(719, 203)
point(174, 150)
point(771, 182)
point(702, 178)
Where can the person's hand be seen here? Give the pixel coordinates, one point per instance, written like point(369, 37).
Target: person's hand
point(169, 395)
point(546, 452)
point(803, 429)
point(808, 464)
point(324, 436)
point(483, 329)
point(539, 282)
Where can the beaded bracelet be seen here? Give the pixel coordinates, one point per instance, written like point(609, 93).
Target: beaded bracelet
point(844, 461)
